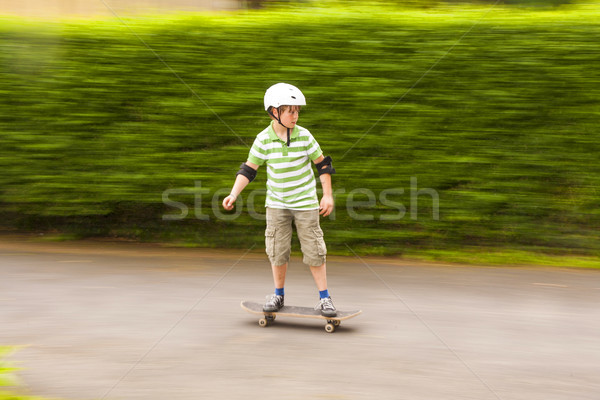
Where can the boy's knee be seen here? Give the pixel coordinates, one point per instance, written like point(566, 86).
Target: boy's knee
point(315, 262)
point(315, 250)
point(277, 248)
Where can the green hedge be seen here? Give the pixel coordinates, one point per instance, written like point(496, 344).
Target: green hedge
point(97, 130)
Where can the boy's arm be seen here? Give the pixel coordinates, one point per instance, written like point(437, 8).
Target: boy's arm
point(240, 183)
point(326, 205)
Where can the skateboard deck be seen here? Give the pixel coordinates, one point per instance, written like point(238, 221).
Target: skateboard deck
point(297, 312)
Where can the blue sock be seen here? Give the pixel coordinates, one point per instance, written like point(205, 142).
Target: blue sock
point(279, 292)
point(324, 294)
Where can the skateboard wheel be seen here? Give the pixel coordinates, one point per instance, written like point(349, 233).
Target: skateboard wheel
point(334, 322)
point(263, 323)
point(330, 328)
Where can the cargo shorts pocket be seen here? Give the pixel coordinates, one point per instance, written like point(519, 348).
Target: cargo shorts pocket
point(270, 242)
point(320, 242)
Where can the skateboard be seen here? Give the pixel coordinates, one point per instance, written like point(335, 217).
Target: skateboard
point(298, 312)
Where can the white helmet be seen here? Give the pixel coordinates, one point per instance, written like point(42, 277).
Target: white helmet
point(283, 94)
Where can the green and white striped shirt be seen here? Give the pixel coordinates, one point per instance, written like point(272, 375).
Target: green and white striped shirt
point(290, 180)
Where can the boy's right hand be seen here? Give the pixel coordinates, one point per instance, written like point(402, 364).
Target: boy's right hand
point(228, 202)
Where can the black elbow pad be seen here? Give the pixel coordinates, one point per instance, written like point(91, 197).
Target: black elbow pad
point(325, 167)
point(247, 171)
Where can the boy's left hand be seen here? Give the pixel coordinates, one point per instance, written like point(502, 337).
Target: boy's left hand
point(326, 206)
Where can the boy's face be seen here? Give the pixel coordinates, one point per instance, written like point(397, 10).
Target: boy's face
point(289, 115)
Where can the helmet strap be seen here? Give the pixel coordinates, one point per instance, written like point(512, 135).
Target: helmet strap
point(280, 123)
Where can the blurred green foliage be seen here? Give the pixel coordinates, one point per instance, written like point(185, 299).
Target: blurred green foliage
point(504, 127)
point(6, 376)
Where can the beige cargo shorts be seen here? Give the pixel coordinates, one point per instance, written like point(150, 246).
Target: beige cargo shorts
point(278, 236)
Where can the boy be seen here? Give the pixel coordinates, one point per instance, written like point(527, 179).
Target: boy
point(287, 149)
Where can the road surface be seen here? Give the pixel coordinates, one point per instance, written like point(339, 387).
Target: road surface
point(123, 321)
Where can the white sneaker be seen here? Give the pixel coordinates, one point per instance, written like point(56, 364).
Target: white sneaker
point(273, 304)
point(327, 308)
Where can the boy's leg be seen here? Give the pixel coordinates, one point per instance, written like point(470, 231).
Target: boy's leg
point(319, 274)
point(279, 272)
point(276, 300)
point(278, 240)
point(315, 251)
point(311, 239)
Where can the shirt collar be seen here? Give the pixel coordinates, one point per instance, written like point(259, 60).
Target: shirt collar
point(294, 134)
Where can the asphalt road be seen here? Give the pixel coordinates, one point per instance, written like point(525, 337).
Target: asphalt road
point(123, 321)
